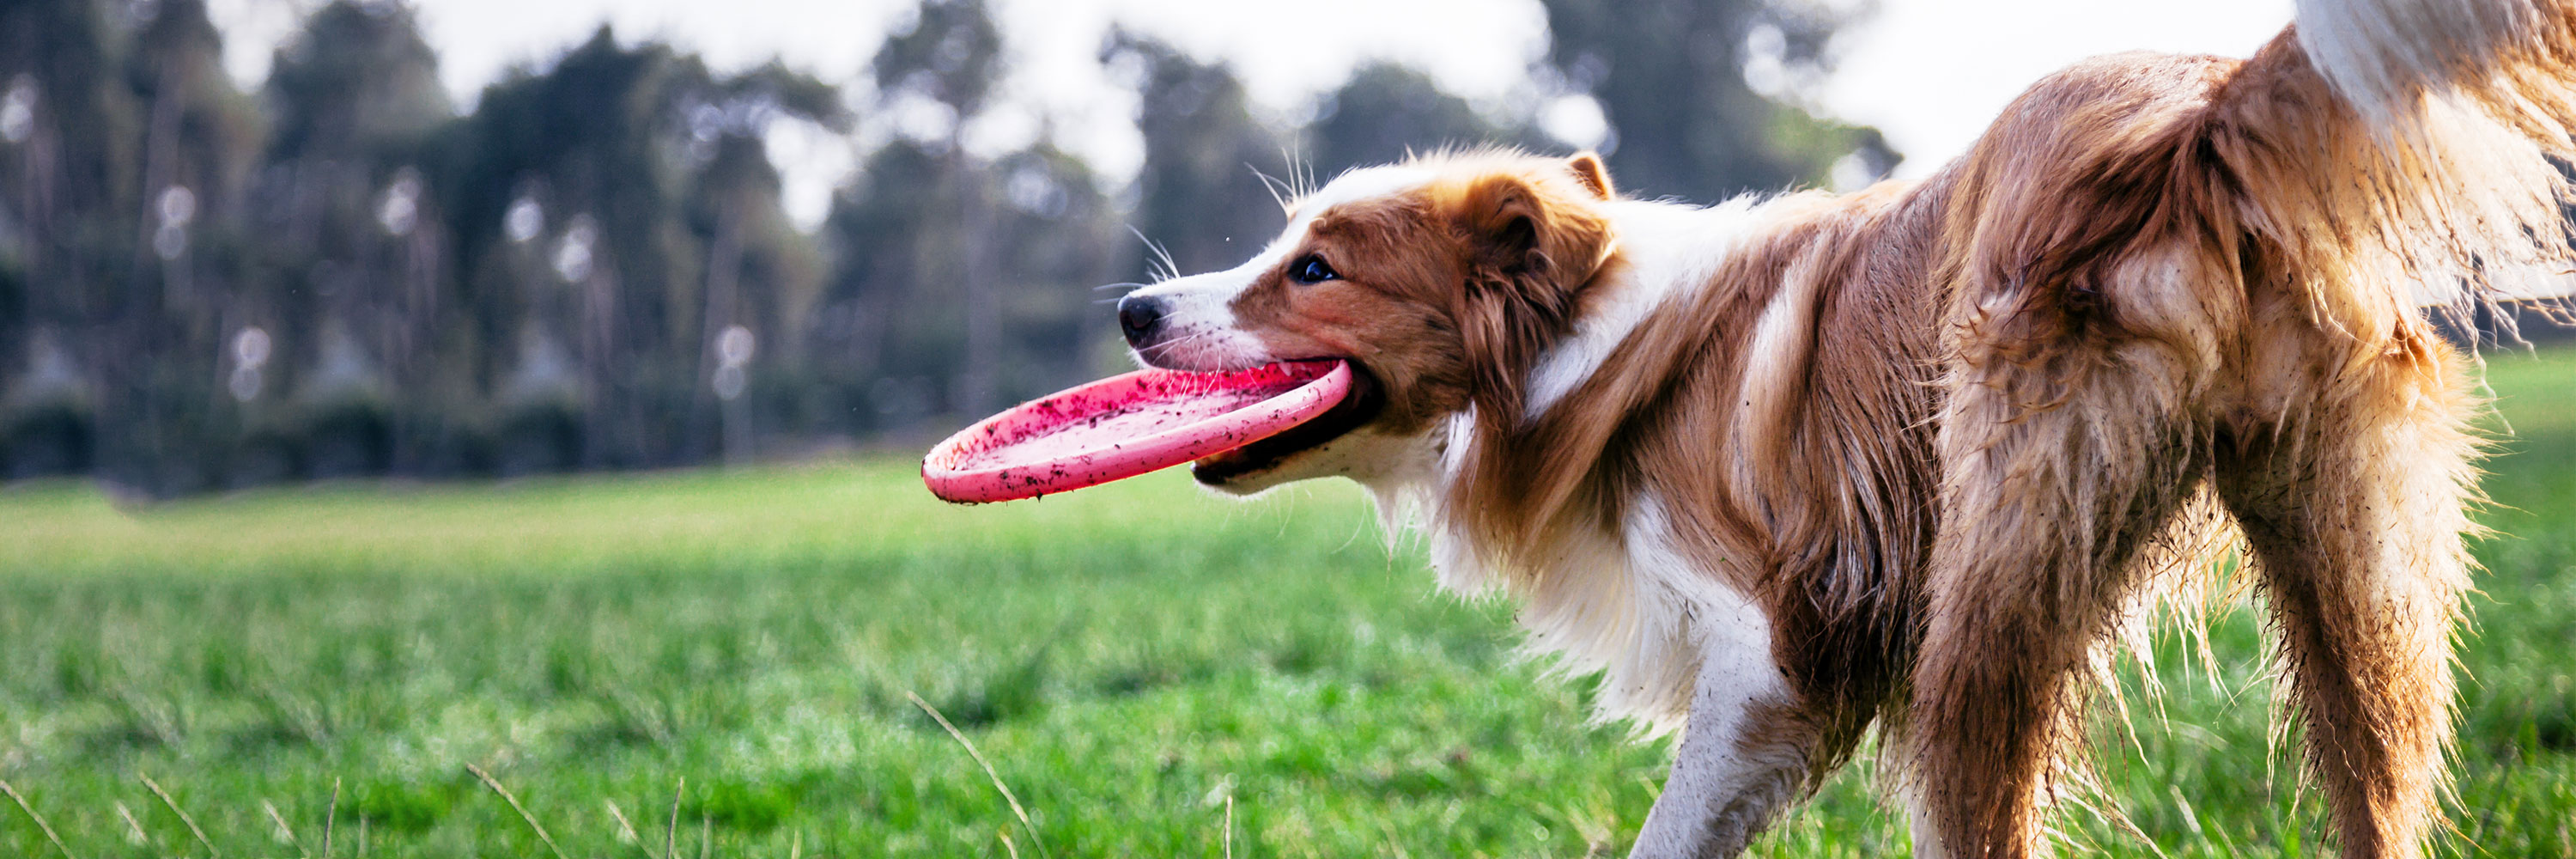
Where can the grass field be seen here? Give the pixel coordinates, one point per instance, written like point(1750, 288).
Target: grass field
point(721, 662)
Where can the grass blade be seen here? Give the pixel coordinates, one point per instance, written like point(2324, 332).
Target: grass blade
point(173, 805)
point(330, 817)
point(1035, 843)
point(626, 830)
point(133, 828)
point(515, 806)
point(38, 818)
point(283, 830)
point(671, 833)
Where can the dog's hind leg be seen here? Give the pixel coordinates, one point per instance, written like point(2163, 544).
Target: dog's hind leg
point(2354, 506)
point(2058, 464)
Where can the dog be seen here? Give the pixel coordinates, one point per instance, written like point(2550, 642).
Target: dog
point(1788, 470)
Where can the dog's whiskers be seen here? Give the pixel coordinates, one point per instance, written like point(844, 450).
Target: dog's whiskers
point(1159, 264)
point(1280, 192)
point(1167, 346)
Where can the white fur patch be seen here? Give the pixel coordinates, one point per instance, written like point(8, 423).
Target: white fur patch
point(1919, 818)
point(1366, 183)
point(1784, 337)
point(1729, 776)
point(1631, 605)
point(1668, 250)
point(1732, 635)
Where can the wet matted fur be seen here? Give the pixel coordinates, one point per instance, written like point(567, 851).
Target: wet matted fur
point(1786, 469)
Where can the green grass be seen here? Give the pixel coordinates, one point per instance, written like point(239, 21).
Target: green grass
point(1135, 660)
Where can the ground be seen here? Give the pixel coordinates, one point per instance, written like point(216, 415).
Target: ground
point(1151, 671)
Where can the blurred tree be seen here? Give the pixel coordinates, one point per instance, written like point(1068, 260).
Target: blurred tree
point(959, 282)
point(1388, 111)
point(945, 65)
point(1057, 239)
point(70, 131)
point(893, 343)
point(1200, 198)
point(68, 126)
point(761, 273)
point(358, 250)
point(200, 139)
point(622, 201)
point(1671, 78)
point(949, 52)
point(584, 152)
point(892, 311)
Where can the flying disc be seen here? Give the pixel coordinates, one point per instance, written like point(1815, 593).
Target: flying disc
point(1123, 426)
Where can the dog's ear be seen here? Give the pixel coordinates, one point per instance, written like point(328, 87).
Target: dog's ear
point(1589, 170)
point(1530, 253)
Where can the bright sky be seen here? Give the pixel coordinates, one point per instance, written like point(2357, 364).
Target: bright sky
point(1930, 73)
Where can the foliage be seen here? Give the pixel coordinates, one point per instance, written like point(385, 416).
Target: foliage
point(1671, 76)
point(1387, 112)
point(1200, 198)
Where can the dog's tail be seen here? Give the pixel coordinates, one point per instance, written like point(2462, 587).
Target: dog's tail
point(2420, 144)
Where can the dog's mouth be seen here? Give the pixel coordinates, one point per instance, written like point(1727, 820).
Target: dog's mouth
point(1358, 405)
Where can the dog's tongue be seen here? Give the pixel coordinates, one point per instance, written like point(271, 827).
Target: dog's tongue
point(1127, 425)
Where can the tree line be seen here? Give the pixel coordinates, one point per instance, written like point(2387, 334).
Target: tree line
point(341, 273)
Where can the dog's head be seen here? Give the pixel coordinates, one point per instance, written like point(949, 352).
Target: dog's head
point(1441, 281)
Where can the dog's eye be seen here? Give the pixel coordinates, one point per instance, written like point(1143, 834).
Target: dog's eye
point(1312, 270)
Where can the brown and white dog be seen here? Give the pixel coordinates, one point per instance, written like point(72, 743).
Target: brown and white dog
point(1916, 457)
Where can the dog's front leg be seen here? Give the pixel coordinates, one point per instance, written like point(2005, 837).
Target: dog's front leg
point(1744, 754)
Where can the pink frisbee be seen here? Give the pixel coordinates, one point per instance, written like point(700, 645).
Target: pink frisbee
point(1123, 426)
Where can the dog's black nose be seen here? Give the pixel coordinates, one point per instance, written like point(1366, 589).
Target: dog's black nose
point(1139, 316)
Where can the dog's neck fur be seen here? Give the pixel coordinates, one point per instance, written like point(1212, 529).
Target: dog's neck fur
point(1705, 337)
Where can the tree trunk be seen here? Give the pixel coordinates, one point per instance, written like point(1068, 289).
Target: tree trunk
point(724, 274)
point(975, 386)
